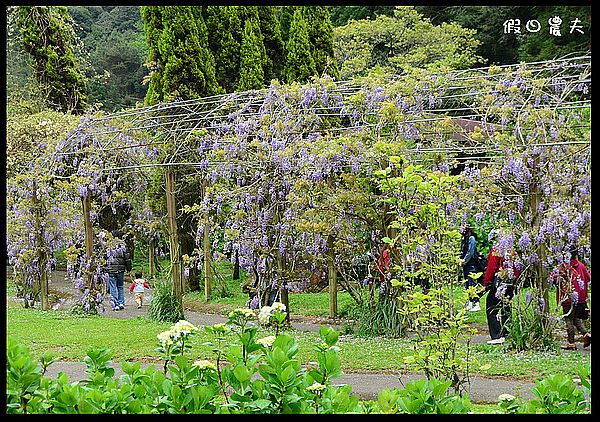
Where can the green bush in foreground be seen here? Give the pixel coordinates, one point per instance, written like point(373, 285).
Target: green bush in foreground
point(248, 376)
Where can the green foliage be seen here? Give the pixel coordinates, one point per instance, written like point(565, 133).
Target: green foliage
point(164, 305)
point(299, 63)
point(423, 397)
point(439, 330)
point(225, 38)
point(380, 319)
point(251, 70)
point(285, 15)
point(229, 385)
point(181, 64)
point(341, 15)
point(529, 327)
point(543, 46)
point(397, 44)
point(188, 65)
point(117, 49)
point(22, 377)
point(47, 34)
point(558, 394)
point(273, 44)
point(320, 35)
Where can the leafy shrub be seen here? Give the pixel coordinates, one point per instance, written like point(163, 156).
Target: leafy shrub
point(558, 394)
point(164, 305)
point(423, 397)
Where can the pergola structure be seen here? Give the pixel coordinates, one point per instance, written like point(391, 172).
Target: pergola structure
point(182, 133)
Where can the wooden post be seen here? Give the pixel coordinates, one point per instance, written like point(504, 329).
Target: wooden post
point(206, 246)
point(41, 249)
point(539, 271)
point(283, 291)
point(332, 277)
point(207, 261)
point(89, 237)
point(176, 274)
point(151, 258)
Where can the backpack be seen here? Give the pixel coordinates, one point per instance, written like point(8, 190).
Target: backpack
point(480, 260)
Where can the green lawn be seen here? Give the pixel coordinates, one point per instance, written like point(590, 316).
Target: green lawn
point(70, 337)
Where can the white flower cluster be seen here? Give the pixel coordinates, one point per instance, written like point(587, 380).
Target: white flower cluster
point(506, 397)
point(265, 313)
point(180, 330)
point(315, 387)
point(205, 364)
point(266, 341)
point(245, 313)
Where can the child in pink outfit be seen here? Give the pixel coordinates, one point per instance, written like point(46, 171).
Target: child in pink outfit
point(137, 287)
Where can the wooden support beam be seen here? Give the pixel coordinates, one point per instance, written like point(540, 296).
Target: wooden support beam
point(151, 258)
point(206, 247)
point(332, 277)
point(283, 291)
point(207, 261)
point(176, 273)
point(89, 237)
point(41, 249)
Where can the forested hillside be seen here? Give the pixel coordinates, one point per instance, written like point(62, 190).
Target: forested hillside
point(126, 54)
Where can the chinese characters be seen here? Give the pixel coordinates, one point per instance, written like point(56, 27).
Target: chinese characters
point(513, 26)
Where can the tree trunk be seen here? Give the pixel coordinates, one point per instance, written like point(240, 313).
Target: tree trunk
point(236, 267)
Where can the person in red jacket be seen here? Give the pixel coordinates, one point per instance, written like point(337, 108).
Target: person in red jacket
point(572, 281)
point(137, 287)
point(498, 281)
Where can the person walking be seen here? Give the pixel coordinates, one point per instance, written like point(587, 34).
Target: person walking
point(118, 263)
point(498, 281)
point(138, 287)
point(470, 265)
point(572, 290)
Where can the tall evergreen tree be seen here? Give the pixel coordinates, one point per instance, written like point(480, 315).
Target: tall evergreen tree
point(185, 67)
point(251, 71)
point(299, 64)
point(227, 34)
point(275, 49)
point(47, 35)
point(153, 27)
point(320, 34)
point(251, 12)
point(214, 17)
point(285, 15)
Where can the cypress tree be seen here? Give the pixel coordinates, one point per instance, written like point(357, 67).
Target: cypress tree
point(153, 27)
point(251, 13)
point(251, 71)
point(214, 17)
point(189, 69)
point(285, 15)
point(271, 32)
point(227, 58)
point(299, 64)
point(320, 34)
point(47, 34)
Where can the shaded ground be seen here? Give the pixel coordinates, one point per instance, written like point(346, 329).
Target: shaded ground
point(365, 384)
